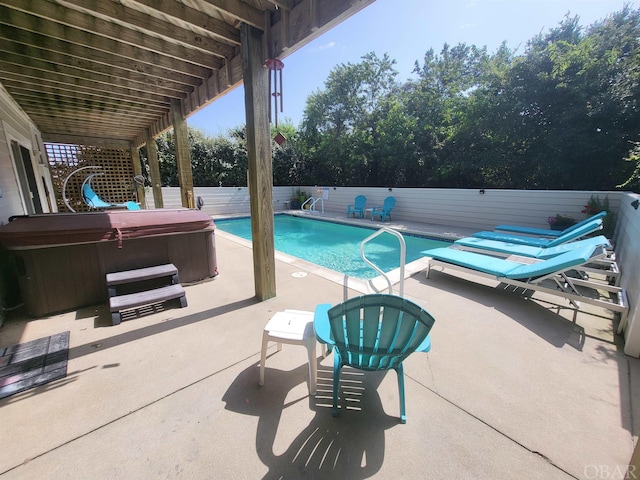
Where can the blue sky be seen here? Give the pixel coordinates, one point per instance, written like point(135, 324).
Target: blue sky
point(405, 30)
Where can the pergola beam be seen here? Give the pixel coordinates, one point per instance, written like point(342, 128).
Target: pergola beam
point(81, 45)
point(242, 12)
point(68, 85)
point(63, 62)
point(203, 39)
point(79, 26)
point(191, 16)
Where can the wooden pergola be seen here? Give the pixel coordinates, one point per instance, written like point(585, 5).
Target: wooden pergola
point(117, 73)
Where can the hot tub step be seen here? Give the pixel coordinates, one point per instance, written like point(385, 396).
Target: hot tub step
point(140, 275)
point(147, 297)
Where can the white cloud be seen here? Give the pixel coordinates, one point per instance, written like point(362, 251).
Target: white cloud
point(326, 46)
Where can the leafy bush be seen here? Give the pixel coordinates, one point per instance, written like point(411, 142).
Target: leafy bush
point(560, 222)
point(594, 206)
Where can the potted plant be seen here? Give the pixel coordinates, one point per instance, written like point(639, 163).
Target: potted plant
point(560, 222)
point(594, 206)
point(297, 199)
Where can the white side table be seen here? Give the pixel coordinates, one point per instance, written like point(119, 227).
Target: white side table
point(294, 327)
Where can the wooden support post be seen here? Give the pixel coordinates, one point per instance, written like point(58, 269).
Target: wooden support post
point(154, 169)
point(183, 153)
point(137, 171)
point(256, 100)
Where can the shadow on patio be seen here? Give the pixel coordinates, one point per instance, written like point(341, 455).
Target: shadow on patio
point(350, 447)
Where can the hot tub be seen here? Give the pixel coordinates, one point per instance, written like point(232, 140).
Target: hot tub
point(62, 259)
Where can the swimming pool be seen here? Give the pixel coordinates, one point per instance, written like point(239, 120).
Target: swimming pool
point(335, 245)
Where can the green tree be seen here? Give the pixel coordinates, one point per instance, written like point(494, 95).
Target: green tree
point(339, 132)
point(567, 125)
point(285, 157)
point(438, 101)
point(633, 181)
point(208, 168)
point(480, 151)
point(215, 161)
point(167, 159)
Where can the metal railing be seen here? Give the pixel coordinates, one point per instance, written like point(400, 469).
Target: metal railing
point(312, 204)
point(403, 255)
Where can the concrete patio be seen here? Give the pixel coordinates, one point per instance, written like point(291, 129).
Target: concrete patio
point(512, 388)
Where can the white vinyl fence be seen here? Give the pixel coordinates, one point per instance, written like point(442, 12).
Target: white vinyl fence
point(480, 209)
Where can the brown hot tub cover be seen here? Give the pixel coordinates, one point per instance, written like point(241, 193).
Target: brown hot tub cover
point(120, 225)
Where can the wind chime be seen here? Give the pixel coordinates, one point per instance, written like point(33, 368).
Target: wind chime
point(275, 67)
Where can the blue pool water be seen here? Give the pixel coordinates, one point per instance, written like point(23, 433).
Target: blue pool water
point(335, 245)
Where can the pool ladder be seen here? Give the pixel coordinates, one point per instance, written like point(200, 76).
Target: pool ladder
point(312, 204)
point(403, 256)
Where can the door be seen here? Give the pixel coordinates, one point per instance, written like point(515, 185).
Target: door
point(26, 178)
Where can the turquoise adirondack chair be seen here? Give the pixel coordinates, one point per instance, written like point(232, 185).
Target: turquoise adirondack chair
point(358, 206)
point(373, 332)
point(385, 210)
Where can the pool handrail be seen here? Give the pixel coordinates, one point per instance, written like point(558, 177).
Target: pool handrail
point(312, 204)
point(403, 255)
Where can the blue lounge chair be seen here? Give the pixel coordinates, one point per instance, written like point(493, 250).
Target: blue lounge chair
point(592, 226)
point(92, 199)
point(547, 233)
point(385, 210)
point(504, 269)
point(373, 332)
point(605, 266)
point(530, 276)
point(358, 206)
point(481, 245)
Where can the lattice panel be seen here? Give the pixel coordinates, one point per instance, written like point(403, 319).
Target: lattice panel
point(113, 184)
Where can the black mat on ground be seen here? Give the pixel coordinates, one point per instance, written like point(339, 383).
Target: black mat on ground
point(33, 363)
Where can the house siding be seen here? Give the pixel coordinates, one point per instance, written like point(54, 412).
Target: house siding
point(628, 256)
point(15, 124)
